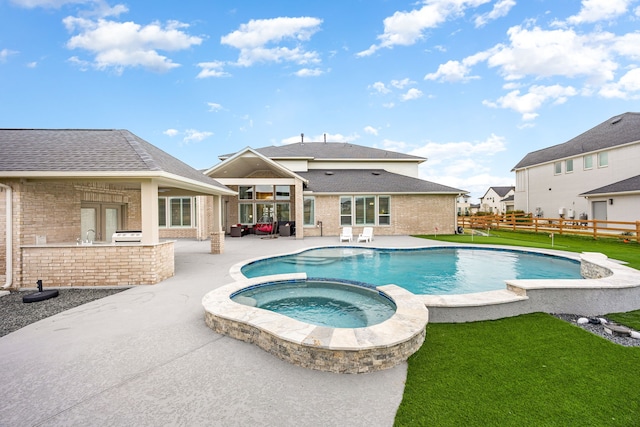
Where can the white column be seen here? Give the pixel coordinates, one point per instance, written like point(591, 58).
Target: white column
point(299, 210)
point(149, 212)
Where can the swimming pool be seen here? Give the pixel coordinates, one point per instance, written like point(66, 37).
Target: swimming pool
point(322, 303)
point(423, 271)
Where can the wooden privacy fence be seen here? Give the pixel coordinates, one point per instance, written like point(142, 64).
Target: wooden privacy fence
point(591, 227)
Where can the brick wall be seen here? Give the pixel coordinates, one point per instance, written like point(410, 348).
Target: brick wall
point(96, 265)
point(410, 214)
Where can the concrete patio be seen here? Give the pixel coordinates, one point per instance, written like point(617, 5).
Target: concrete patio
point(145, 357)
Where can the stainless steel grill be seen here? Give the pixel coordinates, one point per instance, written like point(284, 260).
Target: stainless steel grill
point(127, 236)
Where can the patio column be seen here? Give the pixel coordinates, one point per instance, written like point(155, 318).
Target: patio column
point(149, 212)
point(299, 210)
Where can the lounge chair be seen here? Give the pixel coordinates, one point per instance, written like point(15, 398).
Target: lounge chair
point(346, 234)
point(366, 235)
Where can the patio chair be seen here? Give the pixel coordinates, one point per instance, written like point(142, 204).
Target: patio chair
point(366, 235)
point(346, 234)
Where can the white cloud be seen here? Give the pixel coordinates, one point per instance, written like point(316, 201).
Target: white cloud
point(458, 71)
point(445, 152)
point(406, 28)
point(412, 94)
point(192, 135)
point(544, 53)
point(30, 4)
point(119, 45)
point(464, 165)
point(252, 40)
point(389, 105)
point(379, 87)
point(599, 10)
point(371, 130)
point(171, 132)
point(397, 146)
point(628, 45)
point(100, 8)
point(212, 69)
point(32, 64)
point(5, 53)
point(214, 107)
point(628, 87)
point(526, 104)
point(500, 8)
point(308, 72)
point(401, 84)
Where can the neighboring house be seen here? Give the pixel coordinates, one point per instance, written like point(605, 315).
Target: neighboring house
point(463, 205)
point(497, 200)
point(60, 188)
point(323, 186)
point(594, 175)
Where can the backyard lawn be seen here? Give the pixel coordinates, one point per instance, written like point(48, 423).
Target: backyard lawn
point(530, 370)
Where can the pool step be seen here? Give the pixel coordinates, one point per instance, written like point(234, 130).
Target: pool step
point(309, 260)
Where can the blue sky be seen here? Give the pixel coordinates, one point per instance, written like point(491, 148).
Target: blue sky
point(472, 85)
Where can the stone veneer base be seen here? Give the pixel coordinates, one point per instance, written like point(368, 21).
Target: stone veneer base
point(339, 350)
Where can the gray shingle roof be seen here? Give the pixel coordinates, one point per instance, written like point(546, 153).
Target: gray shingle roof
point(330, 151)
point(372, 181)
point(87, 150)
point(615, 131)
point(626, 185)
point(502, 191)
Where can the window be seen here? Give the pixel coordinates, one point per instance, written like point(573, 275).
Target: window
point(245, 213)
point(245, 193)
point(162, 212)
point(309, 215)
point(283, 212)
point(365, 210)
point(558, 167)
point(176, 212)
point(180, 212)
point(568, 166)
point(588, 162)
point(603, 160)
point(264, 192)
point(283, 192)
point(345, 210)
point(384, 212)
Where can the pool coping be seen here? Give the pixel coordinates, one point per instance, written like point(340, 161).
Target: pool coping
point(342, 350)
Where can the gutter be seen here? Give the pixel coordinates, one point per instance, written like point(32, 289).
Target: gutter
point(9, 240)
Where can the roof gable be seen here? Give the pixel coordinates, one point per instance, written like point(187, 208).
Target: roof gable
point(629, 185)
point(618, 130)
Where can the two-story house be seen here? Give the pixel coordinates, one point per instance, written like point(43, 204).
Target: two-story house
point(594, 175)
point(497, 200)
point(324, 186)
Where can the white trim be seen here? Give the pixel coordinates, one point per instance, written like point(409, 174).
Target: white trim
point(9, 239)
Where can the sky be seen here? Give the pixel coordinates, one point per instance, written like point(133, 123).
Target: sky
point(471, 85)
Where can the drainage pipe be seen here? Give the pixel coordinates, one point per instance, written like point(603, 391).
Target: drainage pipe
point(9, 240)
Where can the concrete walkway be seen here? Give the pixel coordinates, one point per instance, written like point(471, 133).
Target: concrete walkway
point(145, 357)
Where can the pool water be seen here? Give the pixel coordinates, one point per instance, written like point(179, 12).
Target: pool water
point(330, 304)
point(425, 271)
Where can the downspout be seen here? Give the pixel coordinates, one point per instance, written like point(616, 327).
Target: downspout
point(9, 240)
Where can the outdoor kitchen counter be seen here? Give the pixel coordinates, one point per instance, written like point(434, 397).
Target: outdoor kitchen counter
point(98, 264)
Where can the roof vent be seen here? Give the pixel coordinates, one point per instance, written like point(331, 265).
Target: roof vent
point(615, 120)
point(328, 173)
point(375, 173)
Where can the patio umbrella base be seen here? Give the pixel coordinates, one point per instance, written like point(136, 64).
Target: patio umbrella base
point(40, 296)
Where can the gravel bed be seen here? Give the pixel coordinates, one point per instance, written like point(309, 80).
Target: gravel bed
point(15, 314)
point(598, 329)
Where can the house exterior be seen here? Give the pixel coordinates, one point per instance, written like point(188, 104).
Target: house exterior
point(497, 200)
point(321, 187)
point(463, 205)
point(593, 176)
point(63, 193)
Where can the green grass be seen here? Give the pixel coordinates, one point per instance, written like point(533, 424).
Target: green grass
point(530, 370)
point(614, 248)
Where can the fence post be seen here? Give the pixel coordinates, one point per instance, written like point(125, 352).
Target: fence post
point(535, 223)
point(638, 231)
point(560, 224)
point(595, 230)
